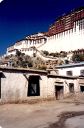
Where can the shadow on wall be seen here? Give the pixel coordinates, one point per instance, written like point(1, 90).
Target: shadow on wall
point(25, 76)
point(2, 75)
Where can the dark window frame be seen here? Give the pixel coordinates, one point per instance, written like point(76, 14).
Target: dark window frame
point(82, 89)
point(0, 88)
point(69, 73)
point(82, 72)
point(34, 86)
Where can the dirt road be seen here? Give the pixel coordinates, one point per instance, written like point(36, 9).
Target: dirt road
point(40, 115)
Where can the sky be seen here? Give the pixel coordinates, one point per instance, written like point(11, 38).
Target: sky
point(19, 18)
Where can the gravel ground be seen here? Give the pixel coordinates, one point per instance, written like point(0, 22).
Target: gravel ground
point(41, 115)
point(70, 120)
point(75, 122)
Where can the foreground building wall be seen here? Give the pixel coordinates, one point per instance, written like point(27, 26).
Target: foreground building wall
point(15, 85)
point(63, 86)
point(23, 85)
point(76, 71)
point(73, 69)
point(18, 85)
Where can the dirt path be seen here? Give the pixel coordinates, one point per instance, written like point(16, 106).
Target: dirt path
point(42, 115)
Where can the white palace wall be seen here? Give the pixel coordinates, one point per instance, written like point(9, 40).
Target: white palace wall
point(67, 41)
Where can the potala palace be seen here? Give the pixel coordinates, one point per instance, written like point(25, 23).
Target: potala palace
point(65, 34)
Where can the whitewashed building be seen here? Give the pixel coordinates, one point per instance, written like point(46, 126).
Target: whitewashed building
point(24, 85)
point(28, 44)
point(74, 70)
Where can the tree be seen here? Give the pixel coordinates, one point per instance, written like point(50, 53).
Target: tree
point(66, 62)
point(55, 54)
point(63, 54)
point(46, 53)
point(42, 67)
point(78, 58)
point(18, 53)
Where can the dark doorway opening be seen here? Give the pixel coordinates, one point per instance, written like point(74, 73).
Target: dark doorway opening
point(0, 88)
point(82, 88)
point(71, 87)
point(34, 87)
point(59, 92)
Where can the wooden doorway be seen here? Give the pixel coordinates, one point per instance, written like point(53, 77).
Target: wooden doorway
point(71, 87)
point(59, 90)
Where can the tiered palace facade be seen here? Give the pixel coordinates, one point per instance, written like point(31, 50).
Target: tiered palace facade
point(65, 34)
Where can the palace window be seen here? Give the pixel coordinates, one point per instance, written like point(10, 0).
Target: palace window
point(69, 73)
point(82, 72)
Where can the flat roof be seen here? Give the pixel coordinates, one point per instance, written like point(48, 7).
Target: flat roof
point(22, 70)
point(70, 65)
point(35, 72)
point(61, 76)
